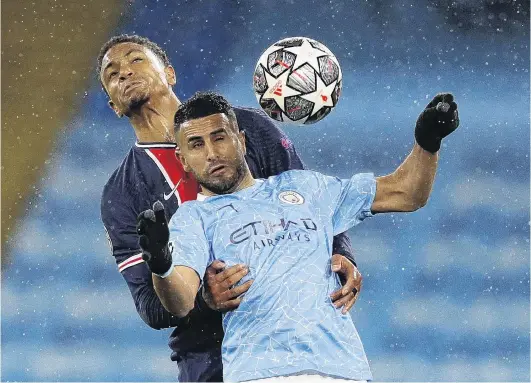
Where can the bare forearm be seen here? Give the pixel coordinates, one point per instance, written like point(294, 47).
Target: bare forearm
point(417, 174)
point(409, 186)
point(177, 291)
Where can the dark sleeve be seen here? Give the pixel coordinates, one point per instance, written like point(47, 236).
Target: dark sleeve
point(119, 221)
point(343, 246)
point(275, 153)
point(271, 148)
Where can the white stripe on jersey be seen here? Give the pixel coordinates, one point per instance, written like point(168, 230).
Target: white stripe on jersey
point(131, 261)
point(155, 145)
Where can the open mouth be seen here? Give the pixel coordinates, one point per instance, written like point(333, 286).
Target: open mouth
point(217, 169)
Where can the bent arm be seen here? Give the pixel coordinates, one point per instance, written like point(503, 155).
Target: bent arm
point(119, 220)
point(409, 186)
point(178, 291)
point(147, 303)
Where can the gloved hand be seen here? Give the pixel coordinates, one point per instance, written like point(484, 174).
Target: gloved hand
point(152, 228)
point(439, 119)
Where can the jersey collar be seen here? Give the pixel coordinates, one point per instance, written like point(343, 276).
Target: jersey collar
point(244, 192)
point(155, 145)
point(201, 197)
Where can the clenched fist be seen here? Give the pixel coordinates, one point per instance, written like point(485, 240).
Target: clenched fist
point(439, 119)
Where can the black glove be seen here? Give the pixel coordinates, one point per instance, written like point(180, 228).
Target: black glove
point(439, 119)
point(152, 228)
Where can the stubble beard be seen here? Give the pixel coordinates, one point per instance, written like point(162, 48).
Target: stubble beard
point(135, 100)
point(224, 186)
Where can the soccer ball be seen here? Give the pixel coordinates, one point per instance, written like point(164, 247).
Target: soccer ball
point(297, 80)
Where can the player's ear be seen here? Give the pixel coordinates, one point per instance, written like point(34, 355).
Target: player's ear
point(186, 167)
point(113, 106)
point(181, 158)
point(171, 77)
point(241, 138)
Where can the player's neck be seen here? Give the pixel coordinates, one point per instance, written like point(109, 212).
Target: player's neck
point(153, 120)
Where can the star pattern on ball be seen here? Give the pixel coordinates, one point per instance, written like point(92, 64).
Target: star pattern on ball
point(306, 53)
point(277, 90)
point(322, 96)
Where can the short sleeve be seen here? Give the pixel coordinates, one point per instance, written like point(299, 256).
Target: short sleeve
point(188, 242)
point(351, 199)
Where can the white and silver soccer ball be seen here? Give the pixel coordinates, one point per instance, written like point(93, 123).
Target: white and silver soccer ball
point(297, 80)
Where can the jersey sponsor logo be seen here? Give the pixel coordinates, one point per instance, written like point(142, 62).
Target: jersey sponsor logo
point(261, 228)
point(167, 196)
point(291, 197)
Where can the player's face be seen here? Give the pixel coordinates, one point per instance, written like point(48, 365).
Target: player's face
point(213, 149)
point(132, 75)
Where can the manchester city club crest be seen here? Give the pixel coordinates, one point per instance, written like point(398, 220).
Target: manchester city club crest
point(291, 197)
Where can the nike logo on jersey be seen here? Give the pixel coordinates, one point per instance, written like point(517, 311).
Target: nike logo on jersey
point(167, 196)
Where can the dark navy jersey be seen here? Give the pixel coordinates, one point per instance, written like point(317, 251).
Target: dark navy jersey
point(151, 172)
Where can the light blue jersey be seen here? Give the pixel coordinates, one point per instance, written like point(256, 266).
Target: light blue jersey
point(282, 228)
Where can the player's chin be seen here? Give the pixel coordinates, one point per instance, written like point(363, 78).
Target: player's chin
point(135, 99)
point(222, 185)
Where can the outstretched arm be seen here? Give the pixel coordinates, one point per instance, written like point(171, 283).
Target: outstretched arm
point(409, 186)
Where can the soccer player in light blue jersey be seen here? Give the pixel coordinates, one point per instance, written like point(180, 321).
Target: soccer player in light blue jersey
point(282, 228)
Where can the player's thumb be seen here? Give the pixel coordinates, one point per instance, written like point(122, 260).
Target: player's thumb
point(158, 212)
point(336, 263)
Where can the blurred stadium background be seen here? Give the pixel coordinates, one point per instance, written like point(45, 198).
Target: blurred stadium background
point(446, 289)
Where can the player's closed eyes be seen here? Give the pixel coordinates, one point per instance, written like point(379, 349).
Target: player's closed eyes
point(197, 144)
point(137, 59)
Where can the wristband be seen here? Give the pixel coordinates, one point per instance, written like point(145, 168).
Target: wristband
point(166, 274)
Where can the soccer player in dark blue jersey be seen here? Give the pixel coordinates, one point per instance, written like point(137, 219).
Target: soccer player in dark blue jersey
point(138, 78)
point(286, 324)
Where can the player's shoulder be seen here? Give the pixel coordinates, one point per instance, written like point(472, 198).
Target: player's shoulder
point(123, 186)
point(294, 177)
point(255, 121)
point(311, 177)
point(120, 176)
point(244, 113)
point(193, 208)
point(189, 212)
point(261, 132)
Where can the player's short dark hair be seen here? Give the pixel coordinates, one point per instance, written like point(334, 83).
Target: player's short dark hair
point(203, 104)
point(144, 41)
